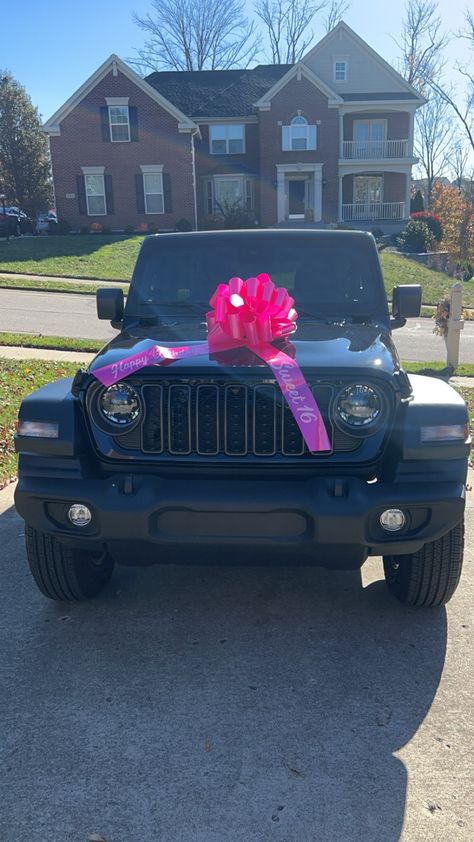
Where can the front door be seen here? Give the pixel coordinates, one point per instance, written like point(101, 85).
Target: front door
point(296, 198)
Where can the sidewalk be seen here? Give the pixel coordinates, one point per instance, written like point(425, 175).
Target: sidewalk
point(8, 352)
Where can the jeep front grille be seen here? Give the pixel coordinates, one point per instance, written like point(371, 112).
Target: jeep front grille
point(225, 418)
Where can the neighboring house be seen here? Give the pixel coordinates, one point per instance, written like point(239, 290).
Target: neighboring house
point(327, 140)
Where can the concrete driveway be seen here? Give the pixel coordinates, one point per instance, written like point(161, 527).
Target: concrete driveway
point(234, 705)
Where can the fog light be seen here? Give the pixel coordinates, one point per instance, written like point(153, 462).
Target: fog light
point(392, 520)
point(79, 515)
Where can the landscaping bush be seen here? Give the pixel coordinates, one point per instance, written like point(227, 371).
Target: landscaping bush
point(433, 222)
point(63, 227)
point(129, 229)
point(213, 222)
point(152, 228)
point(183, 225)
point(84, 229)
point(96, 228)
point(106, 229)
point(416, 237)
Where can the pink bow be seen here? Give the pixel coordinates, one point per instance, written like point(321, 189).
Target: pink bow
point(250, 312)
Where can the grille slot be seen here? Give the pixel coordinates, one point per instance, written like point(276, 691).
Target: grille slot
point(222, 418)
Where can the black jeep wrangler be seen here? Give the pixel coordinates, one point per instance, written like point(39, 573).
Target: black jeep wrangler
point(199, 459)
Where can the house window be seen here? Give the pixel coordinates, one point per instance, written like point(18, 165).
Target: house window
point(119, 120)
point(226, 192)
point(369, 136)
point(298, 135)
point(153, 192)
point(226, 139)
point(340, 71)
point(95, 195)
point(368, 189)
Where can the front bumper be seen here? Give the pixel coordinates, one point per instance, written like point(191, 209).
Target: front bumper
point(330, 522)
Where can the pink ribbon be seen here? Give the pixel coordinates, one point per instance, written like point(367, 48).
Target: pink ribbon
point(251, 313)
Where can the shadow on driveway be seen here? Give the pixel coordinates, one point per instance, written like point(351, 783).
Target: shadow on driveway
point(212, 704)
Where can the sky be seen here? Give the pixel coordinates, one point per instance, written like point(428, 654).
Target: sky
point(51, 48)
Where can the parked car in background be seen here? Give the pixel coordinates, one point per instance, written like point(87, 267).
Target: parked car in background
point(26, 223)
point(10, 225)
point(46, 222)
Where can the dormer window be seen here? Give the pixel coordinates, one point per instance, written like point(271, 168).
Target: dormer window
point(340, 70)
point(299, 135)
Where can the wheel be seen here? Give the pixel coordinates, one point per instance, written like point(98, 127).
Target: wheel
point(430, 576)
point(17, 230)
point(63, 573)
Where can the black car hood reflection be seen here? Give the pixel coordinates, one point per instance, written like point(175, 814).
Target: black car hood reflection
point(314, 345)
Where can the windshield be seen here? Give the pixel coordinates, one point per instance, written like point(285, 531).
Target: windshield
point(325, 276)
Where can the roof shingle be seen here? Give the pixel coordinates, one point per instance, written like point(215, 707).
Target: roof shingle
point(216, 93)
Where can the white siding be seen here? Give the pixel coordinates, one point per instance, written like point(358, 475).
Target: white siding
point(364, 74)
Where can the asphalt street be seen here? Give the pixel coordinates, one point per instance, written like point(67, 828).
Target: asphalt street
point(234, 705)
point(75, 316)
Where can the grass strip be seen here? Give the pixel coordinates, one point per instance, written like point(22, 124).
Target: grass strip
point(35, 285)
point(52, 343)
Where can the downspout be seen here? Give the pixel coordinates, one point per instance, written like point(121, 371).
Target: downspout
point(193, 168)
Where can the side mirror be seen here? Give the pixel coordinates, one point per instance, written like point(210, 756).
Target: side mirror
point(110, 305)
point(406, 303)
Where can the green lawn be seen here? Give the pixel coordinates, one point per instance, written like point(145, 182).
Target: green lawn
point(20, 377)
point(77, 256)
point(59, 285)
point(55, 343)
point(17, 379)
point(399, 270)
point(113, 257)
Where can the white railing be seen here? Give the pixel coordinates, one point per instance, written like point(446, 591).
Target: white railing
point(356, 149)
point(373, 210)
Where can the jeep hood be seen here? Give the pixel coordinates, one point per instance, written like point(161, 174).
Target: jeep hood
point(314, 345)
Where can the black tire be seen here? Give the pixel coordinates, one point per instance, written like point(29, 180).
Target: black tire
point(429, 577)
point(17, 230)
point(63, 573)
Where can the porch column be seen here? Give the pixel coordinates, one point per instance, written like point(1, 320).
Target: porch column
point(280, 195)
point(341, 134)
point(411, 134)
point(407, 195)
point(317, 195)
point(339, 200)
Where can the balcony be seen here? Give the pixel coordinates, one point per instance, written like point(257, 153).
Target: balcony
point(371, 211)
point(356, 150)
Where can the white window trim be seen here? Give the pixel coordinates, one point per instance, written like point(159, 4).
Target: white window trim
point(117, 100)
point(340, 60)
point(243, 179)
point(128, 139)
point(153, 169)
point(94, 171)
point(226, 126)
point(307, 126)
point(361, 175)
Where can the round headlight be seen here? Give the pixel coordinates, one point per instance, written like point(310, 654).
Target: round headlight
point(120, 404)
point(359, 405)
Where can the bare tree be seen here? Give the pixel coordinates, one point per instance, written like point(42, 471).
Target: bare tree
point(335, 12)
point(464, 111)
point(433, 141)
point(459, 161)
point(195, 35)
point(286, 23)
point(422, 43)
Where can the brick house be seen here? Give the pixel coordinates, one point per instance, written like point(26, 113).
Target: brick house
point(327, 140)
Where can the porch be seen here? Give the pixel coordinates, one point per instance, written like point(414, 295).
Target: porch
point(374, 196)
